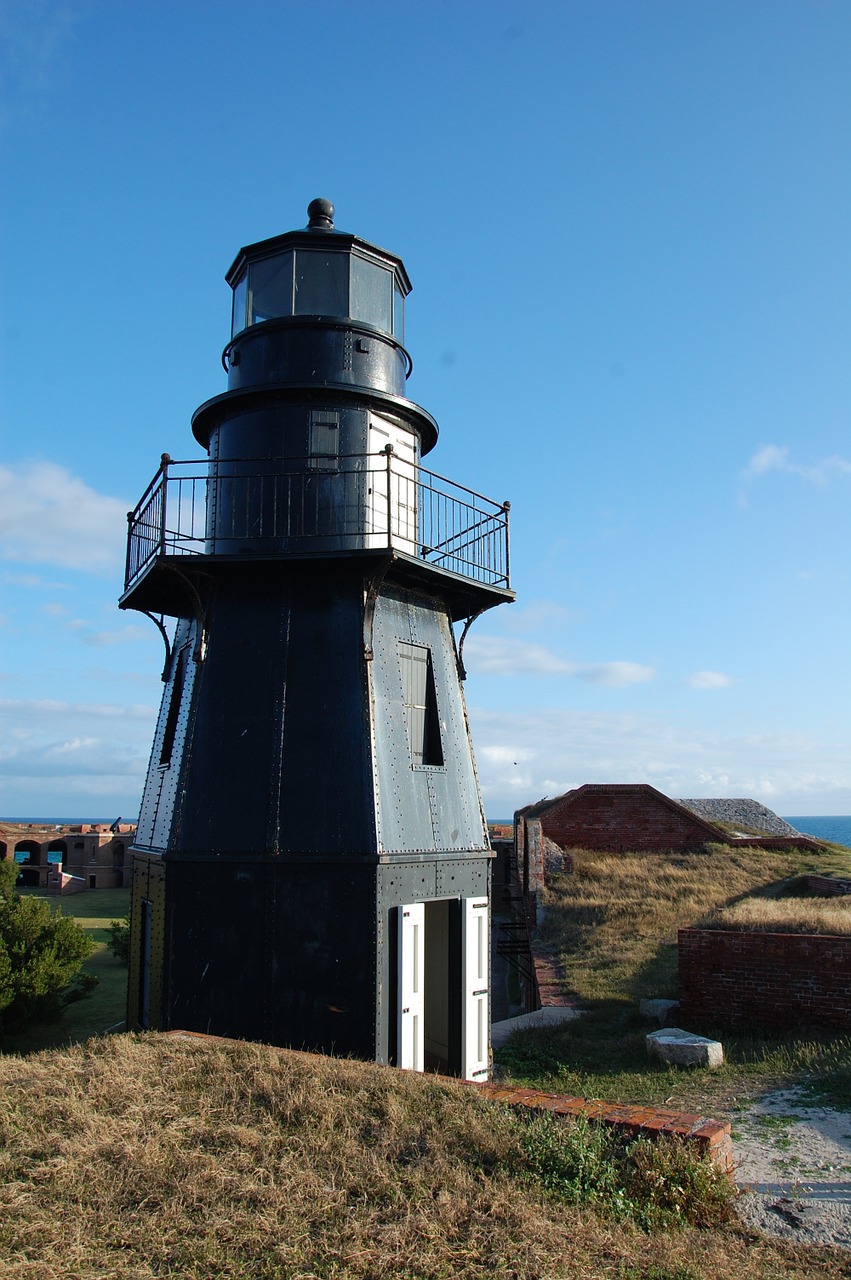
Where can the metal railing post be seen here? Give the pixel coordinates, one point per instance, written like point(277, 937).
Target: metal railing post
point(164, 461)
point(128, 557)
point(388, 449)
point(506, 506)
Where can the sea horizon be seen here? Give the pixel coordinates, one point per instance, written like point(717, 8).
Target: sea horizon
point(833, 827)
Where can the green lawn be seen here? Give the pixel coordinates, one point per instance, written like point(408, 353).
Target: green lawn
point(105, 1007)
point(613, 924)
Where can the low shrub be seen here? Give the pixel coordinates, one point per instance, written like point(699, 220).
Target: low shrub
point(119, 939)
point(656, 1184)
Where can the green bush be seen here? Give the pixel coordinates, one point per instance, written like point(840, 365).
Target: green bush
point(119, 938)
point(40, 957)
point(656, 1184)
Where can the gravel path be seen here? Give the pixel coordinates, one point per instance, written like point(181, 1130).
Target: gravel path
point(794, 1169)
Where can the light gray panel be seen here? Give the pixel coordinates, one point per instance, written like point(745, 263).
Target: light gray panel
point(156, 814)
point(421, 808)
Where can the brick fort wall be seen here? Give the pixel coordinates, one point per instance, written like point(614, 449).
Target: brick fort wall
point(779, 981)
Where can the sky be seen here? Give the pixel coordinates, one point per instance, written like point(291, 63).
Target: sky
point(626, 224)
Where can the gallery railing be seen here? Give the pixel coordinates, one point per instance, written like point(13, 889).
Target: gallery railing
point(311, 507)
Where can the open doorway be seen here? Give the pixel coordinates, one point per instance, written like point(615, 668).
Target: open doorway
point(441, 1046)
point(443, 1019)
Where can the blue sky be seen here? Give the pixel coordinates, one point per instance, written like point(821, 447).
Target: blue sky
point(626, 223)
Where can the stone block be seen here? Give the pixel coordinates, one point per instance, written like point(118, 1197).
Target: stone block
point(658, 1011)
point(682, 1049)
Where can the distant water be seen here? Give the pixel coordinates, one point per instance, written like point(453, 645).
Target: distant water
point(63, 822)
point(837, 830)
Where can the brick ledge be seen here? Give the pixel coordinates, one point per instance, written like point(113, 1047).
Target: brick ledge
point(712, 1137)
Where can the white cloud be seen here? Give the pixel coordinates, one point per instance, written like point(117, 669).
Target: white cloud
point(26, 707)
point(775, 457)
point(503, 656)
point(126, 635)
point(524, 756)
point(62, 758)
point(538, 615)
point(709, 680)
point(616, 674)
point(49, 516)
point(33, 580)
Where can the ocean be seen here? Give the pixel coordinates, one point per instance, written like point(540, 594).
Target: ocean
point(837, 829)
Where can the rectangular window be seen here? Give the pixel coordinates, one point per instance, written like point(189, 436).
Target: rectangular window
point(372, 294)
point(324, 445)
point(175, 699)
point(239, 297)
point(321, 283)
point(420, 701)
point(270, 288)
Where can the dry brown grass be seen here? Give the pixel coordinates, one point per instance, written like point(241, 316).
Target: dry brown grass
point(611, 920)
point(785, 915)
point(143, 1157)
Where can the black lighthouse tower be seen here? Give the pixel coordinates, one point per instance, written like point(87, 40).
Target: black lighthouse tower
point(311, 865)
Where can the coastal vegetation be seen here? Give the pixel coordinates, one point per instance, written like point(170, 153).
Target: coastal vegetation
point(103, 977)
point(41, 954)
point(613, 925)
point(154, 1156)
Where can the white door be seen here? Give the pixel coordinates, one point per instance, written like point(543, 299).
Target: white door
point(411, 1040)
point(402, 524)
point(475, 957)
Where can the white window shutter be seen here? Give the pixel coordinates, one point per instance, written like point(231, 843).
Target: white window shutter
point(411, 1038)
point(475, 1034)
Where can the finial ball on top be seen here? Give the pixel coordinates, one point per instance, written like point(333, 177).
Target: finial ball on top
point(321, 214)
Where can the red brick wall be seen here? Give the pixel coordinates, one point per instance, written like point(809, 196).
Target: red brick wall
point(780, 981)
point(622, 819)
point(828, 886)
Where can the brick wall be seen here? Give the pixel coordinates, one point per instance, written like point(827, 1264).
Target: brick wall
point(828, 886)
point(780, 981)
point(623, 818)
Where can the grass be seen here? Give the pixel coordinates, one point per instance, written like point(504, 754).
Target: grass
point(785, 915)
point(613, 924)
point(143, 1157)
point(106, 1005)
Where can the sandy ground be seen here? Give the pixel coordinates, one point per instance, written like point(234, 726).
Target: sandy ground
point(793, 1159)
point(793, 1168)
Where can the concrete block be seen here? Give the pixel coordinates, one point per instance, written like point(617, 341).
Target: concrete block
point(682, 1049)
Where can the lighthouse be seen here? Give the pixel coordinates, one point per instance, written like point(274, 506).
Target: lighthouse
point(311, 865)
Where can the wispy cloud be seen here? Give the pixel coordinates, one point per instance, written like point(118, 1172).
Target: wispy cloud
point(709, 680)
point(524, 756)
point(32, 580)
point(776, 457)
point(539, 615)
point(33, 40)
point(25, 707)
point(49, 516)
point(72, 757)
point(505, 656)
point(125, 635)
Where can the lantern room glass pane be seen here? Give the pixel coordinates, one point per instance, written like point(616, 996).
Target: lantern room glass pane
point(372, 294)
point(270, 288)
point(398, 314)
point(321, 283)
point(240, 294)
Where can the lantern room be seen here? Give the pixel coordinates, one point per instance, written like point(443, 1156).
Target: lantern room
point(297, 275)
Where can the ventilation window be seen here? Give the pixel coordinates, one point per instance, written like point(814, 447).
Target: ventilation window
point(174, 702)
point(420, 701)
point(324, 440)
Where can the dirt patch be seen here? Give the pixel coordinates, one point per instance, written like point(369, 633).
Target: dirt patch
point(793, 1167)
